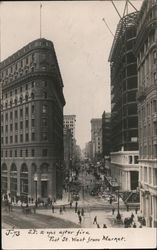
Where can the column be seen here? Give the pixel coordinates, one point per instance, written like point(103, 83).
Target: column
point(18, 181)
point(128, 181)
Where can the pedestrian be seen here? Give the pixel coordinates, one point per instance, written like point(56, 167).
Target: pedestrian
point(95, 220)
point(113, 210)
point(134, 225)
point(110, 200)
point(82, 211)
point(132, 216)
point(127, 208)
point(78, 212)
point(64, 208)
point(80, 219)
point(54, 200)
point(70, 204)
point(98, 226)
point(136, 209)
point(104, 226)
point(53, 208)
point(60, 210)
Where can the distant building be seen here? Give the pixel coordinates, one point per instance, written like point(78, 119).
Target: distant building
point(146, 52)
point(32, 123)
point(96, 138)
point(68, 148)
point(69, 122)
point(124, 119)
point(89, 150)
point(106, 134)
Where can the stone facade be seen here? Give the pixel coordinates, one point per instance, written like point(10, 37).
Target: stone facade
point(146, 52)
point(32, 122)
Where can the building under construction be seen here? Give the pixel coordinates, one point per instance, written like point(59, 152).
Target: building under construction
point(124, 119)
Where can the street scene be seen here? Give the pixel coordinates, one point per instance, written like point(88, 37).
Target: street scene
point(78, 92)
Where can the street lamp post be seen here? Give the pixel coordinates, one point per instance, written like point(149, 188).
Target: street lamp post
point(118, 214)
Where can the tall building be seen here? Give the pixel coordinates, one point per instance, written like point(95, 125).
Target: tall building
point(146, 52)
point(67, 147)
point(89, 150)
point(96, 138)
point(106, 134)
point(124, 119)
point(32, 122)
point(69, 122)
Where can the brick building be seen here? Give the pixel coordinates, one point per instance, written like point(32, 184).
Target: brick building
point(32, 122)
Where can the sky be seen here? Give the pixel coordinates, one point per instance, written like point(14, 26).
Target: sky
point(82, 42)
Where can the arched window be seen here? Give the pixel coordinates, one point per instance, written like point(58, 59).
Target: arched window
point(26, 97)
point(24, 182)
point(15, 101)
point(4, 178)
point(13, 180)
point(21, 99)
point(32, 95)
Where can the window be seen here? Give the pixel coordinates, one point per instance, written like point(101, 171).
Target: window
point(26, 123)
point(16, 126)
point(11, 115)
point(44, 108)
point(33, 84)
point(11, 127)
point(33, 136)
point(6, 153)
point(45, 83)
point(44, 122)
point(26, 153)
point(26, 110)
point(33, 123)
point(32, 109)
point(44, 136)
point(6, 104)
point(21, 89)
point(21, 99)
point(21, 153)
point(26, 98)
point(26, 86)
point(15, 153)
point(16, 138)
point(32, 96)
point(15, 113)
point(33, 152)
point(15, 91)
point(45, 152)
point(45, 95)
point(26, 137)
point(6, 116)
point(11, 103)
point(15, 101)
point(21, 125)
point(21, 138)
point(130, 159)
point(10, 93)
point(6, 128)
point(21, 113)
point(10, 153)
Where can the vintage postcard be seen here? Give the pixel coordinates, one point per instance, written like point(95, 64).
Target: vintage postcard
point(78, 90)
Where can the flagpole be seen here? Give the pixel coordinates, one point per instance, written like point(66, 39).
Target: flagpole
point(40, 18)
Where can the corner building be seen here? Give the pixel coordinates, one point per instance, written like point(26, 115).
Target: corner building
point(146, 52)
point(124, 118)
point(32, 123)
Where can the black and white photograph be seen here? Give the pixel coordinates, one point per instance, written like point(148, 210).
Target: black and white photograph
point(78, 90)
